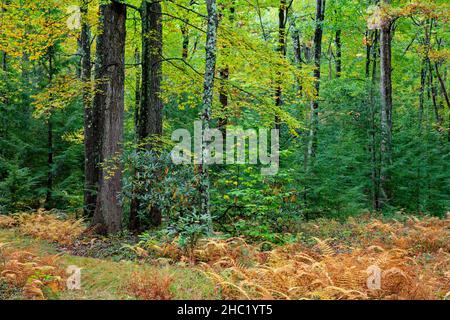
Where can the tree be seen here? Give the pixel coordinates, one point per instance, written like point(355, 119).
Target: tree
point(386, 107)
point(314, 117)
point(149, 120)
point(208, 92)
point(108, 103)
point(91, 167)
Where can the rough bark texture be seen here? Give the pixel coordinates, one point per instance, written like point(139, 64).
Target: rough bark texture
point(386, 110)
point(90, 125)
point(109, 103)
point(208, 91)
point(149, 122)
point(318, 32)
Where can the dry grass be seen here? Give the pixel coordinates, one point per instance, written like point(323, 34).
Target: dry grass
point(34, 277)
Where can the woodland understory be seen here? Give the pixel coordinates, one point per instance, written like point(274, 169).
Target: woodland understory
point(92, 93)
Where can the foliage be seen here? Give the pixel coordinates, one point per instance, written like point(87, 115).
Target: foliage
point(155, 181)
point(45, 225)
point(33, 276)
point(143, 287)
point(412, 256)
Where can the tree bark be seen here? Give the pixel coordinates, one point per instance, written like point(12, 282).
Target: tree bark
point(314, 122)
point(109, 103)
point(386, 110)
point(90, 125)
point(208, 92)
point(150, 111)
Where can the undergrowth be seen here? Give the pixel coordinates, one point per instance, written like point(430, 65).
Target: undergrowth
point(45, 225)
point(412, 258)
point(24, 274)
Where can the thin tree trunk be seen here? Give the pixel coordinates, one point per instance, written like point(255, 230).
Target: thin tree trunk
point(282, 19)
point(224, 74)
point(48, 198)
point(386, 110)
point(109, 103)
point(208, 88)
point(338, 53)
point(372, 55)
point(185, 36)
point(314, 118)
point(90, 125)
point(442, 83)
point(134, 223)
point(150, 112)
point(434, 93)
point(297, 56)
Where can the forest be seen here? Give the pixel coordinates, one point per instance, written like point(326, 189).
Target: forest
point(249, 149)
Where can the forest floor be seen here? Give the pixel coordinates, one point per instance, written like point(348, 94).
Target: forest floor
point(104, 278)
point(362, 258)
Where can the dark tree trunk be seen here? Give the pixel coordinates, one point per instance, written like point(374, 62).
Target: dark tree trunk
point(109, 103)
point(314, 122)
point(371, 75)
point(90, 125)
point(386, 110)
point(442, 83)
point(149, 122)
point(224, 74)
point(48, 198)
point(297, 56)
point(185, 36)
point(282, 19)
point(338, 43)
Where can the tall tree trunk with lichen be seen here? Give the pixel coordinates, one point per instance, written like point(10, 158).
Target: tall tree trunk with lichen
point(109, 104)
point(208, 94)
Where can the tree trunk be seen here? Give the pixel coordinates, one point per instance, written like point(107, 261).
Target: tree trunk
point(314, 122)
point(224, 74)
point(109, 103)
point(386, 111)
point(208, 93)
point(150, 112)
point(48, 198)
point(134, 223)
point(282, 19)
point(372, 57)
point(90, 125)
point(297, 56)
point(338, 43)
